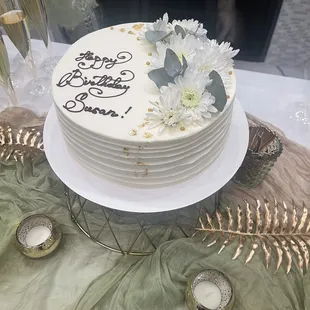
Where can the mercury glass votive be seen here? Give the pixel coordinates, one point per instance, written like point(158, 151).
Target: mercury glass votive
point(209, 290)
point(38, 236)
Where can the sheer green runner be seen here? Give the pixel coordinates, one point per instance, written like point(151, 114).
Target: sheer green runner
point(82, 275)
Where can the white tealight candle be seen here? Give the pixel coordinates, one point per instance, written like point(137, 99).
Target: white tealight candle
point(37, 235)
point(208, 294)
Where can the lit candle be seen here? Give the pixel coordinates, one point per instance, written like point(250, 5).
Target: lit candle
point(37, 235)
point(208, 294)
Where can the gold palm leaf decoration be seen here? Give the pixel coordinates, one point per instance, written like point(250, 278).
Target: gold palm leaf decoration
point(21, 134)
point(269, 228)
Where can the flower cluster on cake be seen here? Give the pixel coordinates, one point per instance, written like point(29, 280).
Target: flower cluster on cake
point(191, 71)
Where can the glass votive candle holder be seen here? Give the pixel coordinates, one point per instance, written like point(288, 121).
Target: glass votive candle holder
point(264, 148)
point(210, 290)
point(38, 236)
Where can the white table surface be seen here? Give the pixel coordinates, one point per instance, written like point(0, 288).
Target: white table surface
point(269, 97)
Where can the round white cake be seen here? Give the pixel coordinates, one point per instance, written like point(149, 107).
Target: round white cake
point(115, 120)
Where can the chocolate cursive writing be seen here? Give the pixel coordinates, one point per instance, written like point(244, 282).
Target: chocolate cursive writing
point(76, 79)
point(78, 105)
point(90, 61)
point(99, 86)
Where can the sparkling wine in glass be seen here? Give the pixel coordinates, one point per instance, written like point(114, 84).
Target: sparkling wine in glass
point(301, 112)
point(14, 24)
point(5, 80)
point(36, 11)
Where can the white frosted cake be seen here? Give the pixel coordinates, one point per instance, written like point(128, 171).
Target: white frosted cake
point(146, 105)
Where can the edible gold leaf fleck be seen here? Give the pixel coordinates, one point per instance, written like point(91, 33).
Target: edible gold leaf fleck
point(148, 135)
point(131, 32)
point(122, 30)
point(133, 132)
point(137, 27)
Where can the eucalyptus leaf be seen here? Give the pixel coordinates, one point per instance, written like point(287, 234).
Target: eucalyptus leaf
point(172, 63)
point(217, 90)
point(178, 29)
point(160, 77)
point(155, 36)
point(185, 65)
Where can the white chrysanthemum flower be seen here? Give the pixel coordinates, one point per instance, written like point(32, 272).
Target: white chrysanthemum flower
point(209, 59)
point(182, 47)
point(224, 49)
point(191, 26)
point(196, 102)
point(166, 112)
point(161, 24)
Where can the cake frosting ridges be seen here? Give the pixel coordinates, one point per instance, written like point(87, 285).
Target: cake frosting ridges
point(122, 119)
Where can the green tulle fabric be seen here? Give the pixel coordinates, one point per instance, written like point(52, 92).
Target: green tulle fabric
point(70, 13)
point(81, 275)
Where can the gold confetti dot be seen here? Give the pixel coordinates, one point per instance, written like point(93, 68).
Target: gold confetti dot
point(228, 97)
point(138, 38)
point(182, 128)
point(131, 32)
point(126, 149)
point(122, 30)
point(150, 54)
point(230, 72)
point(143, 124)
point(150, 109)
point(148, 63)
point(137, 27)
point(148, 135)
point(133, 132)
point(111, 28)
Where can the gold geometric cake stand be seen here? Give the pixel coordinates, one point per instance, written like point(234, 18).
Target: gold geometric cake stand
point(130, 233)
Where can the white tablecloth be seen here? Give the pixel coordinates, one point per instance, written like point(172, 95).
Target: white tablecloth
point(268, 97)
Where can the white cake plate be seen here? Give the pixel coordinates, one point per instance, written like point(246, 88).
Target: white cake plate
point(107, 193)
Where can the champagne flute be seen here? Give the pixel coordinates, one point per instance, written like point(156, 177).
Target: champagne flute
point(5, 80)
point(36, 11)
point(14, 23)
point(301, 112)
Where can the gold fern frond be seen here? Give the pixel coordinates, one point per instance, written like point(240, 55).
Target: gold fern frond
point(21, 134)
point(269, 227)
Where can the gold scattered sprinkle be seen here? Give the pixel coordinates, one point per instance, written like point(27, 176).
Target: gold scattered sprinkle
point(150, 109)
point(230, 72)
point(182, 128)
point(148, 63)
point(138, 38)
point(150, 54)
point(131, 32)
point(137, 27)
point(143, 124)
point(126, 149)
point(140, 163)
point(228, 97)
point(133, 132)
point(148, 135)
point(122, 30)
point(111, 28)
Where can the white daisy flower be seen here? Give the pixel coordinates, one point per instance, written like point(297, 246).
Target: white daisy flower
point(209, 59)
point(224, 49)
point(160, 25)
point(182, 47)
point(191, 26)
point(195, 101)
point(166, 112)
